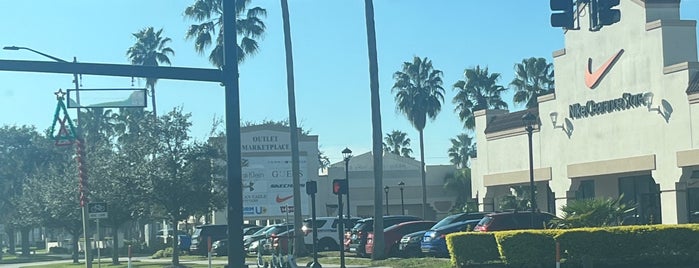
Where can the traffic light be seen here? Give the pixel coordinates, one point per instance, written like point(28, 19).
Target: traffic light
point(311, 187)
point(606, 15)
point(339, 187)
point(563, 13)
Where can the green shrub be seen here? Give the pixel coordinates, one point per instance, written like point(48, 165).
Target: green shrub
point(527, 248)
point(163, 253)
point(472, 247)
point(632, 245)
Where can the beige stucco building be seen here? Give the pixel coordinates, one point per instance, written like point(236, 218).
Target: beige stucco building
point(268, 183)
point(624, 119)
point(396, 169)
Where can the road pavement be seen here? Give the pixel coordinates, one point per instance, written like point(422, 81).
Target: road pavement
point(107, 261)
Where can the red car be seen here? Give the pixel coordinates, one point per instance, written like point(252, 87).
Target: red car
point(394, 233)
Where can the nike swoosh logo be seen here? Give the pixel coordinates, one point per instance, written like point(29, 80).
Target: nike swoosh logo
point(282, 199)
point(593, 78)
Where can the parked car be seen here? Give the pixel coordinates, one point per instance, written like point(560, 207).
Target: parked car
point(393, 234)
point(458, 217)
point(409, 245)
point(514, 221)
point(434, 242)
point(355, 239)
point(253, 244)
point(220, 248)
point(327, 231)
point(202, 234)
point(200, 239)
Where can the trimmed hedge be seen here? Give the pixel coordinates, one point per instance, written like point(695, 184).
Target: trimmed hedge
point(530, 248)
point(628, 246)
point(632, 245)
point(472, 247)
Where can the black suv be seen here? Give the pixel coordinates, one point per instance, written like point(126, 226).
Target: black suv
point(355, 239)
point(514, 221)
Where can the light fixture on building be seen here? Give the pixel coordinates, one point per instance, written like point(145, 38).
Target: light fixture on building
point(664, 109)
point(567, 127)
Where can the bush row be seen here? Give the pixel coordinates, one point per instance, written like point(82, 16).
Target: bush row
point(610, 246)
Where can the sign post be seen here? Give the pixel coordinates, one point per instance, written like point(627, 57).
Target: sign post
point(97, 211)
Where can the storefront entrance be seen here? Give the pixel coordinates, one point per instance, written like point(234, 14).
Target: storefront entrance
point(643, 193)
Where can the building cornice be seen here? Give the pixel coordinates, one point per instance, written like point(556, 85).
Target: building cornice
point(682, 66)
point(515, 177)
point(669, 22)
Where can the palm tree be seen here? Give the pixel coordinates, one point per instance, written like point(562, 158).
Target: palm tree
point(209, 14)
point(419, 96)
point(375, 128)
point(460, 183)
point(299, 246)
point(397, 142)
point(479, 91)
point(150, 49)
point(461, 149)
point(533, 78)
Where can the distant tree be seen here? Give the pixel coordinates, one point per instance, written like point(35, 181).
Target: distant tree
point(323, 161)
point(52, 198)
point(533, 78)
point(397, 142)
point(419, 96)
point(519, 199)
point(459, 182)
point(182, 183)
point(461, 150)
point(209, 14)
point(150, 49)
point(478, 91)
point(24, 152)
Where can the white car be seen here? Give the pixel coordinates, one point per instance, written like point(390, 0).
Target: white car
point(327, 232)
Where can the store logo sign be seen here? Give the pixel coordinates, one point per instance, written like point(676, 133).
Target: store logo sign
point(592, 79)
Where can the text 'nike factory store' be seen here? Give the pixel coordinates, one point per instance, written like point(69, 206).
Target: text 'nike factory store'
point(623, 122)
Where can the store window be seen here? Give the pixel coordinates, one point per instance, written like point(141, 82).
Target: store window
point(643, 193)
point(586, 190)
point(693, 198)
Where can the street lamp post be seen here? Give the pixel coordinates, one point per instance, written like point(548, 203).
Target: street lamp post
point(530, 120)
point(79, 151)
point(385, 189)
point(402, 204)
point(347, 154)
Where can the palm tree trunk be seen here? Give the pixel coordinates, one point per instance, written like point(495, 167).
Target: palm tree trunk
point(377, 142)
point(422, 173)
point(299, 245)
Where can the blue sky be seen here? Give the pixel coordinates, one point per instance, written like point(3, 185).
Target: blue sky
point(330, 54)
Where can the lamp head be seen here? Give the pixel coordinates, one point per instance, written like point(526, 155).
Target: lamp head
point(554, 118)
point(385, 189)
point(346, 154)
point(401, 184)
point(529, 120)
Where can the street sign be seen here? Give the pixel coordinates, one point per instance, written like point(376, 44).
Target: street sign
point(97, 210)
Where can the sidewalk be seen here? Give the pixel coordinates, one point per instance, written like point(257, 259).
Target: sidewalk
point(217, 263)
